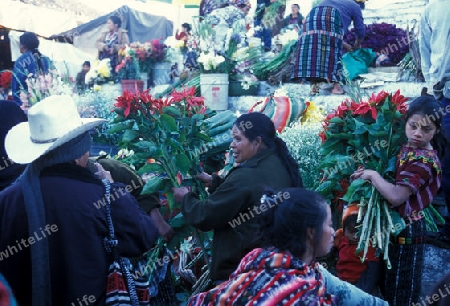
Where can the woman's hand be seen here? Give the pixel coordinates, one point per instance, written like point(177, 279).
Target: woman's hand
point(365, 174)
point(102, 173)
point(347, 46)
point(164, 229)
point(205, 178)
point(179, 193)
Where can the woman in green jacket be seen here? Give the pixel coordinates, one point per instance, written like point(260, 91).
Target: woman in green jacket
point(233, 206)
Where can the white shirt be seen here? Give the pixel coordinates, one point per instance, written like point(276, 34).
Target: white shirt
point(435, 41)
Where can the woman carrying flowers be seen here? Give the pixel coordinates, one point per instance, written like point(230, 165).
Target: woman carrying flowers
point(111, 41)
point(30, 62)
point(231, 209)
point(418, 178)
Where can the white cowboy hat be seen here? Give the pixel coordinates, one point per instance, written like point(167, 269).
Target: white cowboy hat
point(51, 122)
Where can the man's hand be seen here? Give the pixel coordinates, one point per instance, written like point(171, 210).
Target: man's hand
point(101, 173)
point(348, 47)
point(164, 229)
point(179, 193)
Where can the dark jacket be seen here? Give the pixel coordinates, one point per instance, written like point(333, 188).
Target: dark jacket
point(229, 210)
point(10, 115)
point(287, 20)
point(73, 199)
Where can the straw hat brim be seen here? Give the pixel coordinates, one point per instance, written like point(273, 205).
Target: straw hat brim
point(22, 150)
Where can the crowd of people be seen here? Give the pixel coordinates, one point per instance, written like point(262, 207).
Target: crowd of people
point(268, 230)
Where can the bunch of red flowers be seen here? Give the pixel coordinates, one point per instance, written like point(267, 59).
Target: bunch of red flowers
point(5, 79)
point(144, 103)
point(349, 109)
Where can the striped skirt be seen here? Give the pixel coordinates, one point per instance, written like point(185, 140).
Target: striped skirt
point(403, 282)
point(319, 50)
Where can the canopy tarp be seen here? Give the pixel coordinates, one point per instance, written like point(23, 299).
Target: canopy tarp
point(66, 58)
point(141, 27)
point(27, 17)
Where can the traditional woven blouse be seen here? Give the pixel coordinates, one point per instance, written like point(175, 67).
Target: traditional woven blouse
point(420, 170)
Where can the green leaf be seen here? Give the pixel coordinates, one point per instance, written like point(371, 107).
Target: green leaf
point(114, 128)
point(182, 137)
point(129, 136)
point(178, 221)
point(153, 185)
point(360, 127)
point(169, 123)
point(146, 146)
point(151, 168)
point(354, 187)
point(170, 110)
point(197, 117)
point(174, 144)
point(182, 163)
point(203, 136)
point(336, 120)
point(331, 145)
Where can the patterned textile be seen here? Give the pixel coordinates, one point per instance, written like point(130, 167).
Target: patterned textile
point(421, 171)
point(269, 277)
point(110, 40)
point(6, 296)
point(403, 281)
point(319, 49)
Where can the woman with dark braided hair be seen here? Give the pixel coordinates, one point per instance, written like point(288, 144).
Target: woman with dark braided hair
point(31, 61)
point(232, 208)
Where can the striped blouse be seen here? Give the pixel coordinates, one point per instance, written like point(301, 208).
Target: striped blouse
point(420, 170)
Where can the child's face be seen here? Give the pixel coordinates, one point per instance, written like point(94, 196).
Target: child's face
point(350, 233)
point(420, 130)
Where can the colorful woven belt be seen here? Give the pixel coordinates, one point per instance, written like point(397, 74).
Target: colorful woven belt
point(409, 240)
point(323, 32)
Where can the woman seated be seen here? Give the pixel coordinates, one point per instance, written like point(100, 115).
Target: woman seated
point(294, 230)
point(111, 41)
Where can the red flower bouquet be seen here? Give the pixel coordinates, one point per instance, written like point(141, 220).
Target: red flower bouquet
point(369, 134)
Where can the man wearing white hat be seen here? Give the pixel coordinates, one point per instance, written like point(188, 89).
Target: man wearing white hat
point(51, 230)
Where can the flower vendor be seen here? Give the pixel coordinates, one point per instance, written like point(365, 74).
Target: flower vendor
point(324, 28)
point(417, 181)
point(284, 271)
point(30, 62)
point(112, 40)
point(231, 208)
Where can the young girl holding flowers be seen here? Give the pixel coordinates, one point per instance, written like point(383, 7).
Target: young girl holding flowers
point(418, 178)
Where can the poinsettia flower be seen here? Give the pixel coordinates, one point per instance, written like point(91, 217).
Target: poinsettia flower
point(380, 97)
point(187, 94)
point(399, 102)
point(365, 107)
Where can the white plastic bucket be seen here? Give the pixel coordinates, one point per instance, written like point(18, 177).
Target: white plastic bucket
point(214, 88)
point(161, 73)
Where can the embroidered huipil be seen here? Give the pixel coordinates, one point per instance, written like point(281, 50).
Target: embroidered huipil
point(420, 170)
